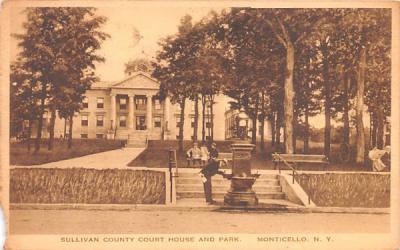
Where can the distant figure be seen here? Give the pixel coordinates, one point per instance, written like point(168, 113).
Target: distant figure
point(375, 155)
point(194, 154)
point(204, 154)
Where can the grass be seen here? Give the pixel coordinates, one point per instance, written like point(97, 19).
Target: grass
point(156, 155)
point(19, 154)
point(347, 190)
point(78, 185)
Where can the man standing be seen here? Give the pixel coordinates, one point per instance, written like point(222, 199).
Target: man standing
point(211, 169)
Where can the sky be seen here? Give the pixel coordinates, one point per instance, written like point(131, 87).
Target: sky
point(153, 23)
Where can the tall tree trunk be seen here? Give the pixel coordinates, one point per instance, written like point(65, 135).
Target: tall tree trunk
point(71, 122)
point(51, 130)
point(360, 107)
point(181, 124)
point(327, 90)
point(288, 99)
point(380, 127)
point(203, 115)
point(374, 128)
point(262, 128)
point(273, 126)
point(196, 117)
point(254, 124)
point(346, 120)
point(278, 129)
point(29, 134)
point(65, 127)
point(306, 130)
point(40, 121)
point(212, 117)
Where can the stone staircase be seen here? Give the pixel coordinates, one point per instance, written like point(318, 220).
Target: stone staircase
point(190, 186)
point(137, 140)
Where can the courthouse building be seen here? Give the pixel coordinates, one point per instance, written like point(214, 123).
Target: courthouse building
point(131, 109)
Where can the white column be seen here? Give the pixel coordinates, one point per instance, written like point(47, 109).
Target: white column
point(131, 111)
point(149, 112)
point(113, 111)
point(166, 113)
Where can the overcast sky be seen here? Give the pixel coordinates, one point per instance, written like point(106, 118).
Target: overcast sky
point(152, 22)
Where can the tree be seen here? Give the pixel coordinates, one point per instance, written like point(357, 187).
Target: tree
point(60, 42)
point(290, 27)
point(171, 70)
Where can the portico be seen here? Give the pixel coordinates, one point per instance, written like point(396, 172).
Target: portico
point(136, 108)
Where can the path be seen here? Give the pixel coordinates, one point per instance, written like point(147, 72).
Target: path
point(128, 222)
point(118, 158)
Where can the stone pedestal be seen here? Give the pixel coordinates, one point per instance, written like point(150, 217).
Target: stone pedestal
point(241, 193)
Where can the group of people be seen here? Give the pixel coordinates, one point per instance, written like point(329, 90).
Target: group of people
point(209, 160)
point(198, 155)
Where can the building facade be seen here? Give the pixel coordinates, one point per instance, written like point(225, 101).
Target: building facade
point(131, 108)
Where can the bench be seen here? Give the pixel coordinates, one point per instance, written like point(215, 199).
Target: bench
point(221, 156)
point(291, 160)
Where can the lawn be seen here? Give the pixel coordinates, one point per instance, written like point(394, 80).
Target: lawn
point(19, 154)
point(156, 155)
point(347, 190)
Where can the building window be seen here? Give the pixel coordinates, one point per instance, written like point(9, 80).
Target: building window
point(99, 136)
point(85, 102)
point(208, 124)
point(192, 122)
point(157, 104)
point(140, 103)
point(84, 120)
point(178, 122)
point(100, 102)
point(208, 138)
point(140, 122)
point(84, 136)
point(122, 121)
point(100, 121)
point(122, 103)
point(157, 122)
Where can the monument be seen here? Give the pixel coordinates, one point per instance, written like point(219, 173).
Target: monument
point(242, 180)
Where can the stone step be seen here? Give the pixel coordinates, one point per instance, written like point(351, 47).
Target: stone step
point(220, 181)
point(216, 188)
point(219, 195)
point(196, 175)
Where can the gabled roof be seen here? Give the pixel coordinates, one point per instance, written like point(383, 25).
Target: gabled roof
point(139, 80)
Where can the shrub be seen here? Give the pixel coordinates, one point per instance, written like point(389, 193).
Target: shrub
point(78, 185)
point(347, 190)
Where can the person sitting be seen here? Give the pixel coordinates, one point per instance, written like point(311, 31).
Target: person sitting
point(193, 155)
point(375, 156)
point(204, 154)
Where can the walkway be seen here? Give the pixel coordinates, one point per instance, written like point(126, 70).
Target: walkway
point(118, 158)
point(169, 222)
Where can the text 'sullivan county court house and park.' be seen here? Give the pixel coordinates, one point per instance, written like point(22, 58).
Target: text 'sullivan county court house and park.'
point(132, 109)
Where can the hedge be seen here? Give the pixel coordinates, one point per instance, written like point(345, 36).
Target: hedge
point(79, 185)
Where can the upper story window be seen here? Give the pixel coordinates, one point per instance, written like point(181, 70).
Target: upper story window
point(99, 121)
point(157, 104)
point(140, 103)
point(84, 120)
point(122, 103)
point(157, 122)
point(85, 102)
point(100, 102)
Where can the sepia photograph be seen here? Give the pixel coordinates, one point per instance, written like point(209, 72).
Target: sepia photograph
point(192, 125)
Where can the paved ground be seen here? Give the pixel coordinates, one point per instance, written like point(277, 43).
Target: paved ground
point(89, 221)
point(118, 158)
